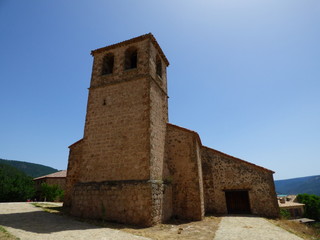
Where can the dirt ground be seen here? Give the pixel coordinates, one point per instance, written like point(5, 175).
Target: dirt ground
point(240, 227)
point(30, 222)
point(173, 230)
point(177, 230)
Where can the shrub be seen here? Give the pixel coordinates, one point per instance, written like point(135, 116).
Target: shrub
point(312, 205)
point(285, 214)
point(51, 192)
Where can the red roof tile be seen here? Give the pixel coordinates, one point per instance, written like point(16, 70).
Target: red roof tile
point(60, 174)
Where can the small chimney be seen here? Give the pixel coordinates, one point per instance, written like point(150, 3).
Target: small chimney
point(283, 200)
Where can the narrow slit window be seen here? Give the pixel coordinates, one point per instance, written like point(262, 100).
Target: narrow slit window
point(131, 58)
point(159, 67)
point(107, 66)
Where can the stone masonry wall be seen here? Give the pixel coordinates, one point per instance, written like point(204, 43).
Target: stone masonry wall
point(74, 167)
point(222, 172)
point(158, 125)
point(167, 207)
point(124, 139)
point(161, 81)
point(116, 139)
point(121, 201)
point(185, 173)
point(119, 73)
point(61, 182)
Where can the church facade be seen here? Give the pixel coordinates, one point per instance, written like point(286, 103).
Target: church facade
point(134, 167)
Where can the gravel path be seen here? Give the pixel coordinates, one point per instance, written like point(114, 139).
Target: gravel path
point(28, 222)
point(253, 228)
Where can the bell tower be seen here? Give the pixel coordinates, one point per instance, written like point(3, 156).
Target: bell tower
point(119, 171)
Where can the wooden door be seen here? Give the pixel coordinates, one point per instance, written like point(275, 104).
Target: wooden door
point(238, 202)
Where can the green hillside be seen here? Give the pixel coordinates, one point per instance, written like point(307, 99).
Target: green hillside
point(30, 169)
point(309, 185)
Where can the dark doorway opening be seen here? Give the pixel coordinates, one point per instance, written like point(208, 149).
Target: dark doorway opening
point(238, 202)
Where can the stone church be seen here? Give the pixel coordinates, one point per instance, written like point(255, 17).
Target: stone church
point(132, 166)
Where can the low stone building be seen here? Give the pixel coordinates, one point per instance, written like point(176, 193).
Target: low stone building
point(57, 178)
point(291, 204)
point(132, 166)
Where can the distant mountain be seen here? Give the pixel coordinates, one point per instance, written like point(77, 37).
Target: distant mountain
point(310, 185)
point(30, 169)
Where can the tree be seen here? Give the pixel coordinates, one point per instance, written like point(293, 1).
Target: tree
point(312, 205)
point(51, 192)
point(14, 185)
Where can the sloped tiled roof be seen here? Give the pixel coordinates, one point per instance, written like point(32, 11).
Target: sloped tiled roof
point(60, 174)
point(290, 204)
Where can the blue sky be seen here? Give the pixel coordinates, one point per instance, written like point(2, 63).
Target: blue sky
point(244, 74)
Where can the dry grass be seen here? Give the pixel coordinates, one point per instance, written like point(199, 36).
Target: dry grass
point(180, 230)
point(304, 231)
point(170, 231)
point(50, 208)
point(200, 230)
point(5, 235)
